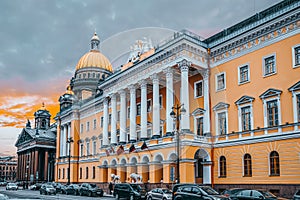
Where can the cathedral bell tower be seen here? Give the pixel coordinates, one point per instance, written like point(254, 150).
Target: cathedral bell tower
point(42, 118)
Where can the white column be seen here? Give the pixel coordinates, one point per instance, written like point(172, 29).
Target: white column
point(143, 85)
point(170, 99)
point(105, 123)
point(65, 141)
point(113, 125)
point(123, 116)
point(133, 135)
point(61, 140)
point(206, 117)
point(156, 106)
point(184, 94)
point(69, 135)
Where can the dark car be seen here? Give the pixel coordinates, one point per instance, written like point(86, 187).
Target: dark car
point(90, 190)
point(129, 191)
point(232, 191)
point(296, 195)
point(159, 193)
point(47, 189)
point(253, 195)
point(72, 189)
point(195, 192)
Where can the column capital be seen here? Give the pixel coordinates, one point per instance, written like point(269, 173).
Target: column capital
point(113, 96)
point(122, 92)
point(132, 88)
point(169, 72)
point(155, 78)
point(205, 74)
point(184, 65)
point(105, 101)
point(143, 83)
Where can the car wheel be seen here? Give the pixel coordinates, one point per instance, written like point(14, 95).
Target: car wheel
point(131, 197)
point(117, 196)
point(149, 198)
point(80, 193)
point(164, 198)
point(177, 198)
point(41, 192)
point(90, 194)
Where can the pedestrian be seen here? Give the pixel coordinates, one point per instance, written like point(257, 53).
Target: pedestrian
point(110, 187)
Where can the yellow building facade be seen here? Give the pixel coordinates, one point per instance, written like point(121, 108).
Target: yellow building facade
point(241, 92)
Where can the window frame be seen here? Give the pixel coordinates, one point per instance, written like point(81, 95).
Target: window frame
point(94, 147)
point(95, 124)
point(87, 126)
point(274, 170)
point(264, 65)
point(240, 82)
point(246, 166)
point(87, 148)
point(216, 81)
point(195, 89)
point(222, 167)
point(149, 105)
point(295, 65)
point(268, 116)
point(217, 122)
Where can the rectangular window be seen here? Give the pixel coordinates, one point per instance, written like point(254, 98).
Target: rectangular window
point(81, 149)
point(80, 173)
point(63, 174)
point(269, 65)
point(199, 126)
point(118, 116)
point(94, 172)
point(94, 147)
point(86, 172)
point(160, 101)
point(243, 74)
point(109, 119)
point(246, 118)
point(138, 109)
point(222, 123)
point(101, 121)
point(297, 56)
point(220, 81)
point(87, 126)
point(81, 128)
point(298, 107)
point(95, 123)
point(87, 148)
point(272, 113)
point(128, 112)
point(149, 105)
point(198, 89)
point(161, 131)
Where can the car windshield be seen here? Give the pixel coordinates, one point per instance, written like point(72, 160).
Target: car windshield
point(76, 186)
point(209, 190)
point(93, 185)
point(268, 194)
point(49, 186)
point(136, 187)
point(166, 191)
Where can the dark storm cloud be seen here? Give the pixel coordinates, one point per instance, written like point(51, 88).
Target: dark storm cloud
point(43, 39)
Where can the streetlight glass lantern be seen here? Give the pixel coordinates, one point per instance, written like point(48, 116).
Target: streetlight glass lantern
point(172, 114)
point(183, 110)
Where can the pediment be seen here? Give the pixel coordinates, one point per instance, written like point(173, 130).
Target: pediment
point(198, 111)
point(295, 87)
point(270, 93)
point(244, 99)
point(23, 137)
point(221, 106)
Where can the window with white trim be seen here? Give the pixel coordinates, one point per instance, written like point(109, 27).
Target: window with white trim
point(298, 106)
point(88, 148)
point(296, 56)
point(87, 126)
point(244, 74)
point(94, 147)
point(269, 65)
point(81, 149)
point(198, 89)
point(138, 109)
point(246, 118)
point(222, 123)
point(272, 113)
point(199, 126)
point(128, 112)
point(109, 119)
point(81, 128)
point(95, 123)
point(149, 103)
point(101, 121)
point(222, 167)
point(220, 81)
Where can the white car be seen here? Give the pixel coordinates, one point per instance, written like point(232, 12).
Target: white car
point(11, 186)
point(159, 194)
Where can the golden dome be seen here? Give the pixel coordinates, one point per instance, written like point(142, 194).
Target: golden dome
point(94, 59)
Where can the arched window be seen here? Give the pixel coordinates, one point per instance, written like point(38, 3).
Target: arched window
point(222, 167)
point(94, 172)
point(274, 164)
point(58, 173)
point(247, 165)
point(87, 173)
point(63, 173)
point(80, 173)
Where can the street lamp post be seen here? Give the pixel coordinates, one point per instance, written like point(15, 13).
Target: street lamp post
point(69, 141)
point(179, 110)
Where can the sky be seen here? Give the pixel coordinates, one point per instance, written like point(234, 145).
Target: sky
point(42, 41)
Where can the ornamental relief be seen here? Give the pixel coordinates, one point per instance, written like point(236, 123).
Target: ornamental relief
point(256, 42)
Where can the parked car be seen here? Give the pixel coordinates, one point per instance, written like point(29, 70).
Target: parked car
point(11, 186)
point(129, 191)
point(252, 195)
point(72, 189)
point(47, 189)
point(195, 192)
point(63, 189)
point(296, 195)
point(90, 190)
point(159, 193)
point(230, 192)
point(58, 187)
point(36, 186)
point(3, 197)
point(3, 183)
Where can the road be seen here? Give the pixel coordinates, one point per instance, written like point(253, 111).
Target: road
point(30, 194)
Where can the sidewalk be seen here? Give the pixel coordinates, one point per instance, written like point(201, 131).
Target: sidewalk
point(108, 195)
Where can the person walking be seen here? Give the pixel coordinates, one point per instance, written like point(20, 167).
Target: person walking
point(110, 187)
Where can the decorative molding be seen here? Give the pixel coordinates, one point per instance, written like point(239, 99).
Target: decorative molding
point(244, 99)
point(295, 87)
point(220, 106)
point(198, 111)
point(270, 93)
